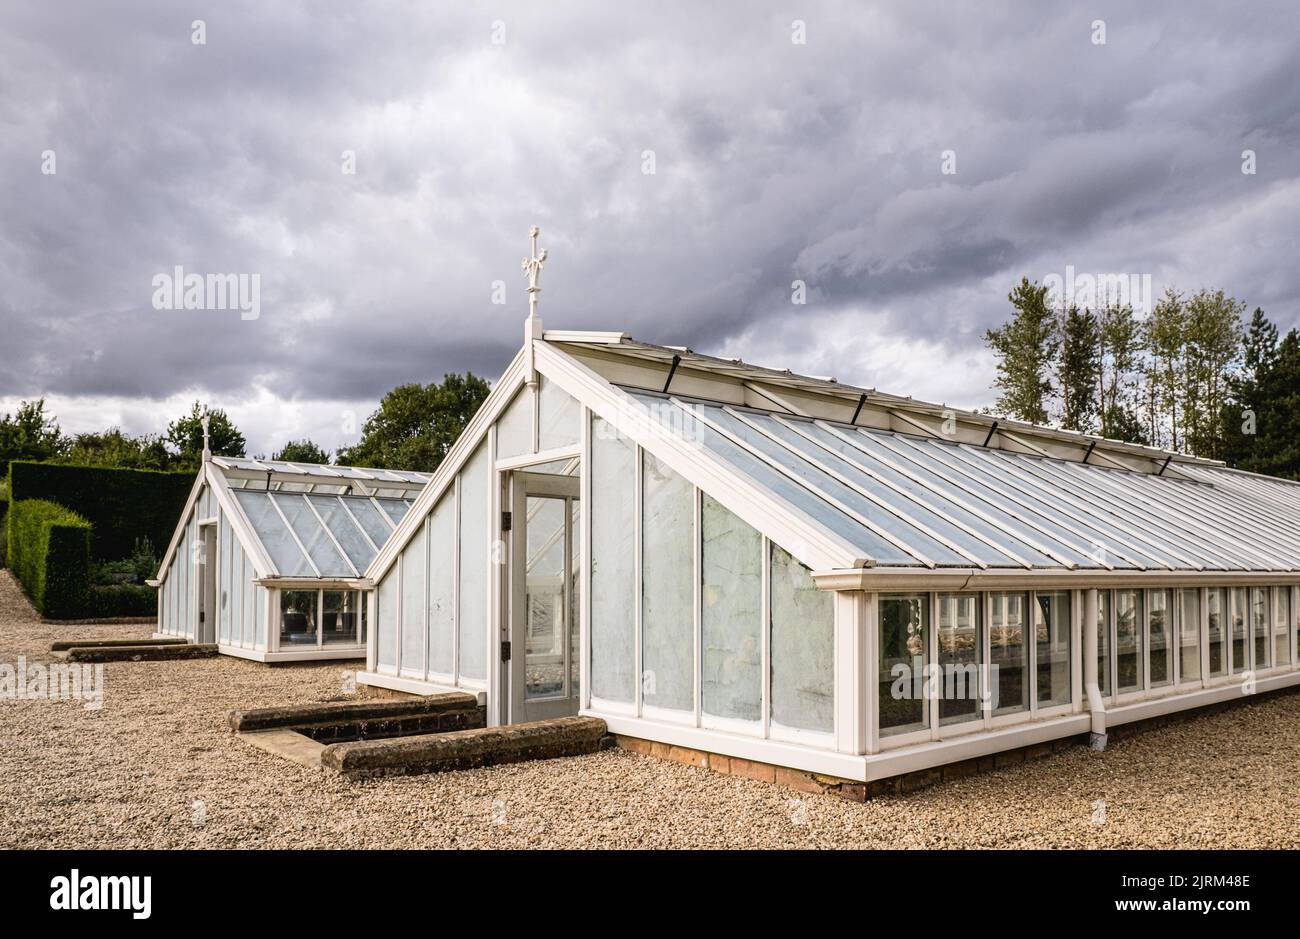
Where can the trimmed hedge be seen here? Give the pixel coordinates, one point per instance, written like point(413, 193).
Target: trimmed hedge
point(49, 552)
point(121, 600)
point(121, 504)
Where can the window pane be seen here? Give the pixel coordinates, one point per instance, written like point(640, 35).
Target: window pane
point(558, 417)
point(803, 647)
point(1009, 655)
point(1214, 625)
point(1052, 634)
point(342, 617)
point(731, 611)
point(1128, 640)
point(515, 426)
point(1238, 616)
point(297, 618)
point(613, 559)
point(1189, 628)
point(386, 602)
point(442, 585)
point(667, 588)
point(474, 556)
point(904, 652)
point(1281, 625)
point(1158, 638)
point(1259, 620)
point(305, 525)
point(1103, 641)
point(960, 653)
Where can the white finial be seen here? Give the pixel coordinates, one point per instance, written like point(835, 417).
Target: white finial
point(532, 268)
point(206, 421)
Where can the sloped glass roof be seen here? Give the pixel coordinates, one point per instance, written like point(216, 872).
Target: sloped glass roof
point(320, 535)
point(907, 500)
point(324, 473)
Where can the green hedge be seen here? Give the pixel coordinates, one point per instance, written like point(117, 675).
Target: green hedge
point(121, 504)
point(121, 600)
point(49, 552)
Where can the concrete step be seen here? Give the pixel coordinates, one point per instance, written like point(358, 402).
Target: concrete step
point(334, 721)
point(149, 653)
point(63, 645)
point(466, 749)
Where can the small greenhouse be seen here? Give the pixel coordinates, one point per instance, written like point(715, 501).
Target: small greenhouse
point(268, 559)
point(790, 570)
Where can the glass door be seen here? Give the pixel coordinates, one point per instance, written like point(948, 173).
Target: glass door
point(544, 657)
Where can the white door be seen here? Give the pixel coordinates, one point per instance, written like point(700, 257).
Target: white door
point(207, 585)
point(543, 596)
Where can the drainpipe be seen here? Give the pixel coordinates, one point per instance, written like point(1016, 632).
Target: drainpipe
point(1096, 739)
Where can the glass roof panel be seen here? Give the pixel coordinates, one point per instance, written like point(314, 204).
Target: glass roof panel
point(371, 520)
point(345, 531)
point(271, 530)
point(305, 525)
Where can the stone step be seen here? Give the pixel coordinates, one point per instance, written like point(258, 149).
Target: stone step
point(63, 645)
point(467, 749)
point(361, 720)
point(149, 653)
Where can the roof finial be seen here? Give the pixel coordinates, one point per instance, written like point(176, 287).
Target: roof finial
point(532, 268)
point(206, 421)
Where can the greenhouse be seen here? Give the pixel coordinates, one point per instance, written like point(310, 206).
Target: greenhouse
point(268, 558)
point(798, 572)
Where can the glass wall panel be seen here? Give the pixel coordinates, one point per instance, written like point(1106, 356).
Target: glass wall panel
point(298, 618)
point(803, 647)
point(386, 615)
point(1009, 652)
point(413, 631)
point(474, 557)
point(613, 564)
point(1260, 626)
point(442, 585)
point(1103, 641)
point(1240, 625)
point(1128, 640)
point(342, 617)
point(667, 588)
point(731, 614)
point(515, 426)
point(1159, 644)
point(1281, 625)
point(904, 654)
point(960, 654)
point(1214, 628)
point(559, 417)
point(1052, 640)
point(1189, 629)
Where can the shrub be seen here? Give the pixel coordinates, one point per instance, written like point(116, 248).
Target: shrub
point(123, 505)
point(49, 552)
point(121, 600)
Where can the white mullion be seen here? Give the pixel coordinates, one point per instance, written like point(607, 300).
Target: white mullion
point(945, 496)
point(455, 581)
point(320, 618)
point(1203, 633)
point(1029, 629)
point(986, 656)
point(293, 534)
point(893, 510)
point(584, 574)
point(805, 484)
point(330, 535)
point(932, 660)
point(428, 551)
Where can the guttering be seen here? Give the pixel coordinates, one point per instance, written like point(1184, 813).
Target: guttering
point(960, 578)
point(316, 583)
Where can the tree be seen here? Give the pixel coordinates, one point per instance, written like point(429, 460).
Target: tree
point(185, 436)
point(29, 434)
point(301, 451)
point(114, 448)
point(1240, 415)
point(1024, 348)
point(1212, 351)
point(1165, 335)
point(1078, 368)
point(1276, 449)
point(415, 425)
point(1121, 349)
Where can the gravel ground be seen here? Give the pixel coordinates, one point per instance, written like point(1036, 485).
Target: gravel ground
point(130, 775)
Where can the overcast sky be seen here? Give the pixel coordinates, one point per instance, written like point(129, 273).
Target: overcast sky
point(774, 160)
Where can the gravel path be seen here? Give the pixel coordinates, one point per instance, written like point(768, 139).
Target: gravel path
point(130, 775)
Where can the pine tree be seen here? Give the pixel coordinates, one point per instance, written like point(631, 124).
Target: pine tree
point(1025, 348)
point(1078, 368)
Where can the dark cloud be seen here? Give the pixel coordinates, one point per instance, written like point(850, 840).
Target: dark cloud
point(773, 161)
